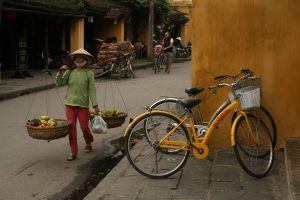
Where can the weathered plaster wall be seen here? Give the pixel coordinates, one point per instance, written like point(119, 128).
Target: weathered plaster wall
point(186, 30)
point(185, 6)
point(261, 35)
point(106, 28)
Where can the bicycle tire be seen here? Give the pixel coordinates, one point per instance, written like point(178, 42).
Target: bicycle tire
point(132, 71)
point(140, 152)
point(155, 67)
point(266, 117)
point(255, 162)
point(129, 72)
point(164, 104)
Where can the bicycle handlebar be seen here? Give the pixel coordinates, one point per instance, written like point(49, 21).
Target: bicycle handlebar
point(221, 77)
point(231, 84)
point(213, 87)
point(219, 86)
point(242, 71)
point(245, 71)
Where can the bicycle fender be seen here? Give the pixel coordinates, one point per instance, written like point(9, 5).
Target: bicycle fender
point(240, 114)
point(133, 121)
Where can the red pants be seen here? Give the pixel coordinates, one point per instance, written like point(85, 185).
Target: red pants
point(82, 114)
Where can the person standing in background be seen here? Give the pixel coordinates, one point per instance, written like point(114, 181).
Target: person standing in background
point(168, 50)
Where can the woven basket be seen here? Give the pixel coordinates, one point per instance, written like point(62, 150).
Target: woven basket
point(60, 131)
point(117, 121)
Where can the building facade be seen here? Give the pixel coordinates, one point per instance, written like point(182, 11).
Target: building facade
point(35, 32)
point(183, 19)
point(260, 35)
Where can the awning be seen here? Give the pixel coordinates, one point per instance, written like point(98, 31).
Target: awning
point(77, 8)
point(179, 17)
point(106, 8)
point(49, 7)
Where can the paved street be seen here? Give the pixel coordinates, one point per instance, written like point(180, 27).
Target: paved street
point(35, 169)
point(217, 178)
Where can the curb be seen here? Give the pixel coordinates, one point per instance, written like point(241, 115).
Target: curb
point(292, 148)
point(143, 66)
point(17, 93)
point(287, 172)
point(179, 60)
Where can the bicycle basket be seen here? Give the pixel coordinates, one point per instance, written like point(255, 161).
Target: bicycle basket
point(249, 93)
point(157, 49)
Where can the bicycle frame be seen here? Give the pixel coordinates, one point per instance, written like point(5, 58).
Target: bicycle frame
point(218, 116)
point(199, 119)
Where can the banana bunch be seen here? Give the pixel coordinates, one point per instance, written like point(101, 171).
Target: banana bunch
point(110, 113)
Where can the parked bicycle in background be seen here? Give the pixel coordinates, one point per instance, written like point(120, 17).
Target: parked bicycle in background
point(158, 58)
point(121, 66)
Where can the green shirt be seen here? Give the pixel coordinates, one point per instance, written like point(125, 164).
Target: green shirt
point(81, 87)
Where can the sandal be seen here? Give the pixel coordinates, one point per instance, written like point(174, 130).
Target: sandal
point(88, 148)
point(71, 157)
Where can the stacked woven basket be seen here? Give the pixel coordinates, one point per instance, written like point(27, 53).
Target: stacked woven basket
point(60, 130)
point(110, 52)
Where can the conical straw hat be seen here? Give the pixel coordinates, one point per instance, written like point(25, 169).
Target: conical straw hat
point(82, 52)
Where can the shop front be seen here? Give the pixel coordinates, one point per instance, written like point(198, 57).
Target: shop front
point(104, 20)
point(34, 34)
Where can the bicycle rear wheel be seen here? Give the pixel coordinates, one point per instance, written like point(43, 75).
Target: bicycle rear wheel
point(254, 152)
point(145, 155)
point(129, 72)
point(172, 105)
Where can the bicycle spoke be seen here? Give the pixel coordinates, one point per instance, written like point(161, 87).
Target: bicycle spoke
point(253, 147)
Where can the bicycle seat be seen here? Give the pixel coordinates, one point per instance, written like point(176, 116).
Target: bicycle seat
point(189, 103)
point(194, 91)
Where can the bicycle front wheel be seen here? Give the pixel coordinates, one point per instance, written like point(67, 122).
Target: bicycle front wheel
point(253, 148)
point(156, 65)
point(143, 151)
point(263, 114)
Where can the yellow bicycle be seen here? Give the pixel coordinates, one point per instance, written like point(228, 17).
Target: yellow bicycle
point(158, 143)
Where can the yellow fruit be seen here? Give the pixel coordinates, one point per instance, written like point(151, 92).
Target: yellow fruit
point(45, 117)
point(52, 122)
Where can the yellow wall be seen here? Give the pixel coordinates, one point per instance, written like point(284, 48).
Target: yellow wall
point(142, 31)
point(181, 2)
point(77, 34)
point(261, 35)
point(185, 6)
point(106, 28)
point(186, 30)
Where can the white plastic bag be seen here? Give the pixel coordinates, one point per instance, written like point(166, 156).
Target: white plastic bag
point(98, 125)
